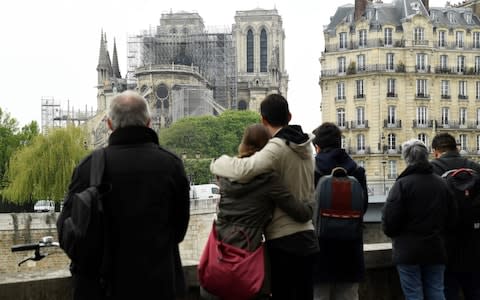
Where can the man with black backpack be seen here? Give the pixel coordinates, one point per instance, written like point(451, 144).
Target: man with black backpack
point(463, 241)
point(145, 212)
point(339, 265)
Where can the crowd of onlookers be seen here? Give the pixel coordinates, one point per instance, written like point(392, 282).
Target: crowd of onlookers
point(270, 199)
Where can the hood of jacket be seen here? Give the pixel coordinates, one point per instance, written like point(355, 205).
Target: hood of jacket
point(328, 159)
point(297, 140)
point(418, 168)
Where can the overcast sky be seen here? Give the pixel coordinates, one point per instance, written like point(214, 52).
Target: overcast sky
point(50, 48)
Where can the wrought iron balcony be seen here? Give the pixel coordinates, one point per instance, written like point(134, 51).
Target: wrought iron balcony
point(359, 124)
point(392, 124)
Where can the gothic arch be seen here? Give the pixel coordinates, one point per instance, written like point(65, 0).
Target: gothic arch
point(263, 50)
point(250, 41)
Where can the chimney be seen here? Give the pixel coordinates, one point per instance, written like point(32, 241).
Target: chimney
point(425, 3)
point(360, 6)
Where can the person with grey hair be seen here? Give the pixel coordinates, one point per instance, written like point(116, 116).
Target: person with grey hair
point(147, 210)
point(416, 215)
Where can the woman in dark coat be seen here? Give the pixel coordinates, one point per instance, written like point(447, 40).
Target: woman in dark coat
point(416, 215)
point(248, 207)
point(339, 265)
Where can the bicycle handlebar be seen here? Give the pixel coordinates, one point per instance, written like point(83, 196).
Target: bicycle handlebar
point(46, 241)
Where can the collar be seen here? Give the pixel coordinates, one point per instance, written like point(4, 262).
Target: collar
point(133, 135)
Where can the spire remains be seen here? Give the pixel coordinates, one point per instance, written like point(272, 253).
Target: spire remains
point(115, 66)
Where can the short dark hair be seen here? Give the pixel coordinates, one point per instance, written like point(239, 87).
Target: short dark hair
point(444, 142)
point(327, 135)
point(274, 109)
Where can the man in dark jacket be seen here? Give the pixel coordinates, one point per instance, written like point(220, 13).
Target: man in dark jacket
point(339, 265)
point(147, 209)
point(463, 241)
point(416, 215)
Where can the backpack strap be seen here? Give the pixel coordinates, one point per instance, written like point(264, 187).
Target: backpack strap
point(97, 167)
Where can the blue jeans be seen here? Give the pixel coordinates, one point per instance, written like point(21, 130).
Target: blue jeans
point(422, 281)
point(468, 282)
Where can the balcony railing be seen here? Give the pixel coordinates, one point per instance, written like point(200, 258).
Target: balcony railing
point(462, 97)
point(370, 43)
point(445, 97)
point(458, 125)
point(420, 42)
point(422, 96)
point(340, 98)
point(457, 70)
point(401, 68)
point(390, 124)
point(423, 123)
point(359, 124)
point(422, 68)
point(392, 95)
point(359, 96)
point(358, 151)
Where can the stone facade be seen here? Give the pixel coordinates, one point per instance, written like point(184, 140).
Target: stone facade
point(402, 70)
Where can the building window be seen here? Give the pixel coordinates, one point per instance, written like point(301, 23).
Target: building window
point(250, 51)
point(422, 88)
point(462, 89)
point(391, 91)
point(459, 39)
point(463, 142)
point(441, 38)
point(342, 64)
point(477, 65)
point(361, 62)
point(451, 18)
point(360, 142)
point(360, 116)
point(477, 122)
point(343, 144)
point(341, 117)
point(391, 116)
point(388, 41)
point(445, 89)
point(445, 115)
point(468, 18)
point(423, 137)
point(443, 63)
point(477, 90)
point(359, 89)
point(341, 91)
point(422, 116)
point(476, 40)
point(390, 62)
point(421, 65)
point(391, 142)
point(362, 38)
point(419, 36)
point(462, 116)
point(460, 64)
point(478, 144)
point(342, 40)
point(263, 50)
point(392, 169)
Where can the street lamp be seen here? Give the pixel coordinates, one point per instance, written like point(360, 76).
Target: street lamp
point(384, 163)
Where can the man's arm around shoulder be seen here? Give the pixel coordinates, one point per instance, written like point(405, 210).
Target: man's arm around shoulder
point(245, 169)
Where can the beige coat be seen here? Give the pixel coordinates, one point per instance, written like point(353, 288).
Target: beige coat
point(295, 165)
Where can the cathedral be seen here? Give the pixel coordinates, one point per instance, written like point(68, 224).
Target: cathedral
point(184, 69)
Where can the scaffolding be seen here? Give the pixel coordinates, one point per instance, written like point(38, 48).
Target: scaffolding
point(54, 116)
point(212, 52)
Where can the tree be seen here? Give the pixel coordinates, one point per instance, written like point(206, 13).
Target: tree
point(43, 168)
point(8, 141)
point(199, 139)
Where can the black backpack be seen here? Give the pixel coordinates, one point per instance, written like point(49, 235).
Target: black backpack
point(81, 225)
point(464, 185)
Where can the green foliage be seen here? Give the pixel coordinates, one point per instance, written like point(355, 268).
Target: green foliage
point(42, 169)
point(206, 137)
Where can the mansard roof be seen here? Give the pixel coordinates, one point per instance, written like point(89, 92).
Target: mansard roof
point(396, 12)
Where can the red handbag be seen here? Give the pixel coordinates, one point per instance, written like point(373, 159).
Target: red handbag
point(229, 272)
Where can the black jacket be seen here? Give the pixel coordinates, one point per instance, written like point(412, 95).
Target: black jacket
point(416, 215)
point(463, 241)
point(340, 261)
point(148, 213)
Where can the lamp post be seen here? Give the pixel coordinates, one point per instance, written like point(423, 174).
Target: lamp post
point(384, 163)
